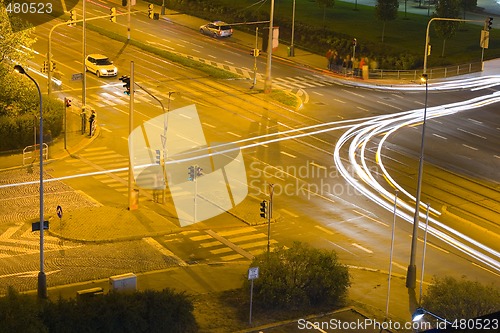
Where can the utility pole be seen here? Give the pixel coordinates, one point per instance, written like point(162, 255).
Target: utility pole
point(131, 204)
point(268, 81)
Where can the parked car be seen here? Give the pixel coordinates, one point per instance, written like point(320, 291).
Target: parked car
point(100, 65)
point(217, 29)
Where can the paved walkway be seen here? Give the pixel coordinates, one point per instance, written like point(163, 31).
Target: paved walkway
point(368, 289)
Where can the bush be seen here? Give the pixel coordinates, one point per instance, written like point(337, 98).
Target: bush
point(149, 311)
point(460, 299)
point(295, 278)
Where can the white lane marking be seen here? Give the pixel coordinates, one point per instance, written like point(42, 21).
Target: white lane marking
point(440, 136)
point(209, 125)
point(288, 154)
point(338, 100)
point(288, 212)
point(362, 248)
point(470, 147)
point(362, 109)
point(317, 93)
point(371, 218)
point(317, 165)
point(236, 135)
point(489, 271)
point(475, 121)
point(346, 250)
point(323, 229)
point(496, 156)
point(469, 132)
point(105, 129)
point(353, 93)
point(389, 105)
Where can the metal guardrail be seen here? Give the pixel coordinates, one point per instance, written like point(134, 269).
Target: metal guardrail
point(29, 152)
point(433, 73)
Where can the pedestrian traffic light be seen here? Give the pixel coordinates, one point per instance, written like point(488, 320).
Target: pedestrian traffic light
point(150, 10)
point(125, 79)
point(67, 102)
point(256, 52)
point(199, 172)
point(72, 17)
point(52, 66)
point(490, 22)
point(112, 13)
point(157, 156)
point(354, 42)
point(191, 174)
point(263, 209)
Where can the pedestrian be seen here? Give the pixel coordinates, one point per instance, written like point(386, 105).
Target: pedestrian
point(329, 56)
point(91, 123)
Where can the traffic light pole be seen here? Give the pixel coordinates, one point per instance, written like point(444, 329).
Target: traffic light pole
point(427, 38)
point(269, 217)
point(131, 204)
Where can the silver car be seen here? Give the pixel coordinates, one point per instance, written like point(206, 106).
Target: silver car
point(217, 29)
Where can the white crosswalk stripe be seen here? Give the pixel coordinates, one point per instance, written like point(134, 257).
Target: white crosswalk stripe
point(302, 82)
point(108, 160)
point(230, 245)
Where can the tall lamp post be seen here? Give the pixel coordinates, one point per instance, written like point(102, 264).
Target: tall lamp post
point(292, 47)
point(42, 280)
point(411, 275)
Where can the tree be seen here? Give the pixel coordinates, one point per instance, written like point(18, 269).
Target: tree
point(386, 10)
point(447, 29)
point(460, 299)
point(17, 37)
point(325, 4)
point(299, 277)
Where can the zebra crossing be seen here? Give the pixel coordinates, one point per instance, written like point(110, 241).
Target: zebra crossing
point(115, 97)
point(101, 159)
point(225, 245)
point(20, 240)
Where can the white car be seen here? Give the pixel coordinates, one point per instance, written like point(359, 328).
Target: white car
point(217, 29)
point(100, 65)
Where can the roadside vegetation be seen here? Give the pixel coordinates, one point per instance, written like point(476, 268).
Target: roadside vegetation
point(148, 311)
point(393, 43)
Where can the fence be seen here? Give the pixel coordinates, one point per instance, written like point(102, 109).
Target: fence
point(29, 152)
point(433, 73)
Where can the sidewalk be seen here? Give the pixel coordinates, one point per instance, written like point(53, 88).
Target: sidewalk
point(369, 287)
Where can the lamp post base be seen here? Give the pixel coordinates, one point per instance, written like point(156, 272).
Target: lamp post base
point(411, 277)
point(42, 285)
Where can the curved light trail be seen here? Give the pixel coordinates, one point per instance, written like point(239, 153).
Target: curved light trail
point(363, 179)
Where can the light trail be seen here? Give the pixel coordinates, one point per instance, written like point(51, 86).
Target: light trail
point(363, 180)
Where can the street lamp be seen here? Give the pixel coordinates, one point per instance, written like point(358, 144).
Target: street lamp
point(411, 275)
point(292, 47)
point(421, 312)
point(42, 280)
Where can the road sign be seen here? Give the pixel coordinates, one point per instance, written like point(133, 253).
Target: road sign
point(35, 226)
point(253, 273)
point(77, 77)
point(59, 211)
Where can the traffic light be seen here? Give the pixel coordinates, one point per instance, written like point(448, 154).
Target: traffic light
point(52, 66)
point(124, 3)
point(191, 174)
point(45, 68)
point(199, 172)
point(263, 209)
point(354, 42)
point(125, 79)
point(490, 22)
point(256, 52)
point(157, 156)
point(112, 13)
point(67, 102)
point(150, 10)
point(72, 17)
